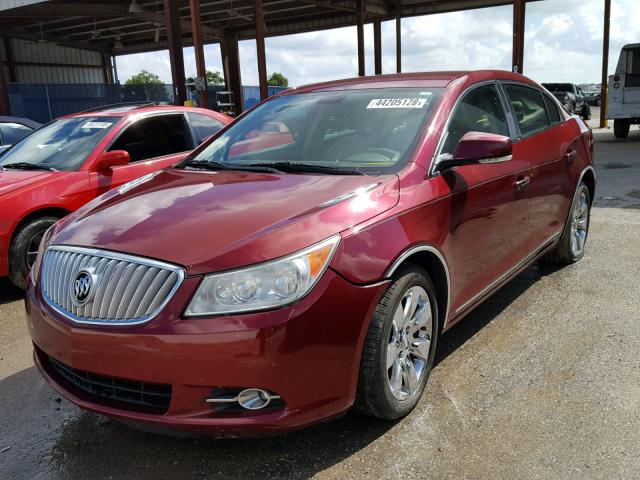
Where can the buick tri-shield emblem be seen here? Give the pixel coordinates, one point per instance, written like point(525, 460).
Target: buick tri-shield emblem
point(82, 288)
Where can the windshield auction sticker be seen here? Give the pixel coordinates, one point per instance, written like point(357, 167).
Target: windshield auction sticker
point(397, 103)
point(97, 125)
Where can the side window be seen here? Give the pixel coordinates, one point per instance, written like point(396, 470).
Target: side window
point(154, 137)
point(480, 111)
point(203, 126)
point(12, 132)
point(528, 107)
point(552, 109)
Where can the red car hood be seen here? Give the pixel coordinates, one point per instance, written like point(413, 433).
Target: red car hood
point(12, 180)
point(212, 221)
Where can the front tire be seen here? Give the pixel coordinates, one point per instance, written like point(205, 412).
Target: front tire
point(571, 246)
point(586, 112)
point(621, 128)
point(399, 348)
point(24, 247)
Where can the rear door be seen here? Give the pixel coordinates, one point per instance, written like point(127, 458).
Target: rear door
point(154, 142)
point(546, 138)
point(489, 210)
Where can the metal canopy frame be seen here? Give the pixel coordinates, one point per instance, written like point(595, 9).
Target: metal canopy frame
point(117, 27)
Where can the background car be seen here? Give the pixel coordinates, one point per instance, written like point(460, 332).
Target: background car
point(75, 158)
point(572, 97)
point(13, 129)
point(307, 258)
point(593, 97)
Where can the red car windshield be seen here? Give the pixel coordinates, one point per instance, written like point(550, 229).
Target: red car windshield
point(63, 144)
point(368, 131)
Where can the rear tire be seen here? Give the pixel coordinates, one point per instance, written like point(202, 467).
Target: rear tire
point(399, 348)
point(571, 246)
point(24, 246)
point(621, 128)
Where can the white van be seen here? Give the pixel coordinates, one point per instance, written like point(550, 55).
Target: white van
point(623, 106)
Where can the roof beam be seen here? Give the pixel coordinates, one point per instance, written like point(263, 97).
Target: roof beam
point(371, 10)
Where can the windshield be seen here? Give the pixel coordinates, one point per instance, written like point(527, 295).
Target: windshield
point(63, 144)
point(558, 87)
point(350, 131)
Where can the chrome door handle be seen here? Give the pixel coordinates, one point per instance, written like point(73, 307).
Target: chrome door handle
point(523, 182)
point(570, 156)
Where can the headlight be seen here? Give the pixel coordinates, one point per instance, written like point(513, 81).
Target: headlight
point(267, 285)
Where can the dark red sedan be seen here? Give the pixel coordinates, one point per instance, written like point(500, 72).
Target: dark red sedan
point(73, 159)
point(307, 258)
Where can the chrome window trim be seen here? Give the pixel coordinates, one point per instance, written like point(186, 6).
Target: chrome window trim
point(443, 137)
point(425, 248)
point(113, 256)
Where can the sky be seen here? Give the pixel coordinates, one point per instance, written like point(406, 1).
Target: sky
point(563, 42)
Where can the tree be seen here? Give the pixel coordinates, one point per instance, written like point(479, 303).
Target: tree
point(213, 78)
point(144, 78)
point(278, 80)
point(145, 87)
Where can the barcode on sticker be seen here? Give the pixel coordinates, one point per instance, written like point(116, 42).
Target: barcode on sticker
point(97, 125)
point(397, 103)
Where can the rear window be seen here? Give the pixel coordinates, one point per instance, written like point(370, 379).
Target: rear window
point(552, 109)
point(528, 107)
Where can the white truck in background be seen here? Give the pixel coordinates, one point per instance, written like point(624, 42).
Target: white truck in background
point(623, 104)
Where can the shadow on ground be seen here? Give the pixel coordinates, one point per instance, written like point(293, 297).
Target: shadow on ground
point(9, 292)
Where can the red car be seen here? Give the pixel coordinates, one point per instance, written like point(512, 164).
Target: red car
point(265, 287)
point(75, 158)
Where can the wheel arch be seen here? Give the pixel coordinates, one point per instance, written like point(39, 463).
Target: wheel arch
point(588, 176)
point(432, 260)
point(41, 212)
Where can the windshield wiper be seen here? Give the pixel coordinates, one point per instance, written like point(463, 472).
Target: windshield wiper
point(213, 165)
point(28, 166)
point(295, 167)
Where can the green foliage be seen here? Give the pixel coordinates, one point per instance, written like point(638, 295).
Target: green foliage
point(277, 80)
point(144, 78)
point(213, 78)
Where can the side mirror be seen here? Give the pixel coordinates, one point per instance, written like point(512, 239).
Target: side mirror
point(476, 148)
point(114, 158)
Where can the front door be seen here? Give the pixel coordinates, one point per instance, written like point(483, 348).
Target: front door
point(490, 204)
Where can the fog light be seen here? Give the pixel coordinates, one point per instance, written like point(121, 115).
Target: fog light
point(254, 398)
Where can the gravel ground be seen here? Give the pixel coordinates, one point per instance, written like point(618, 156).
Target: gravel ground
point(541, 381)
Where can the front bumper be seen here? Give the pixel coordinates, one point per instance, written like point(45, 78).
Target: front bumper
point(308, 353)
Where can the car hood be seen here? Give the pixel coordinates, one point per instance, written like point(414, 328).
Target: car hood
point(213, 221)
point(12, 180)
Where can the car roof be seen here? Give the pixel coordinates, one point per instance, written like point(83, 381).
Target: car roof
point(22, 121)
point(417, 79)
point(126, 109)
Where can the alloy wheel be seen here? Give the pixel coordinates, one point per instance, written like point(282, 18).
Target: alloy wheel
point(33, 247)
point(409, 343)
point(579, 224)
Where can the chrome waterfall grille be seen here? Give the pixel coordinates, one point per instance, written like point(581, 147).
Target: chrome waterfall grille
point(106, 288)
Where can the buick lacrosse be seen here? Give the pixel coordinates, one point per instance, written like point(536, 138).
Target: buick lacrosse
point(307, 258)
